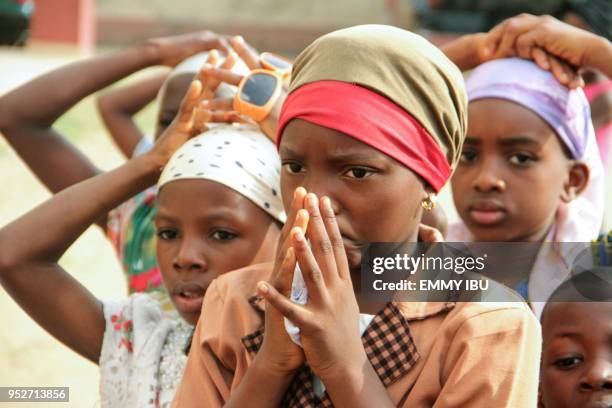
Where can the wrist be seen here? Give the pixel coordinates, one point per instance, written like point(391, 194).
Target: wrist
point(266, 366)
point(350, 369)
point(599, 53)
point(151, 167)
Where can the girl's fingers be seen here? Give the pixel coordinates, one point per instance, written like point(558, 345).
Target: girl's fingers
point(297, 216)
point(228, 64)
point(188, 104)
point(226, 117)
point(313, 277)
point(335, 237)
point(223, 75)
point(562, 71)
point(290, 310)
point(296, 205)
point(319, 239)
point(284, 279)
point(245, 52)
point(218, 104)
point(541, 58)
point(212, 59)
point(200, 118)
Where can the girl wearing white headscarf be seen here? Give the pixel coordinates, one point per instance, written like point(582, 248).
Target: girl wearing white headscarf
point(139, 346)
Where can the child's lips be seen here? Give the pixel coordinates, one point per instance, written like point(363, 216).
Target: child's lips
point(188, 297)
point(487, 213)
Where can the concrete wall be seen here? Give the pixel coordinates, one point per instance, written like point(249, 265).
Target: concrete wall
point(280, 25)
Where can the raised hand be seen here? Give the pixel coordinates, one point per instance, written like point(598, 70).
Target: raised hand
point(219, 107)
point(191, 119)
point(329, 322)
point(278, 351)
point(170, 51)
point(552, 44)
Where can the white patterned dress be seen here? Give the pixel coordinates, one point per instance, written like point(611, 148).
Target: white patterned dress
point(143, 353)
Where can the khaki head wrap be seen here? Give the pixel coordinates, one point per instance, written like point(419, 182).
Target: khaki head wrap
point(400, 65)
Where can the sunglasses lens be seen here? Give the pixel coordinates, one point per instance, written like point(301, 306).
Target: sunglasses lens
point(258, 89)
point(276, 61)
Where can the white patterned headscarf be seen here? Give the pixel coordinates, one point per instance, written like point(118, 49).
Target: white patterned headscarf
point(237, 156)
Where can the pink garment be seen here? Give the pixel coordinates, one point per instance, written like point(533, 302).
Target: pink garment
point(603, 134)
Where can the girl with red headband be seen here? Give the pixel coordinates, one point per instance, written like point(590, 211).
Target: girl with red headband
point(371, 130)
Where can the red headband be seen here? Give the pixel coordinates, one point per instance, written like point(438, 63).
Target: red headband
point(372, 119)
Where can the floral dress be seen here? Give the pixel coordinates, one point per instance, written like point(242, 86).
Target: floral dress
point(131, 230)
point(143, 353)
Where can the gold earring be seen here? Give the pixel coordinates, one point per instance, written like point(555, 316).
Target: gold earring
point(429, 202)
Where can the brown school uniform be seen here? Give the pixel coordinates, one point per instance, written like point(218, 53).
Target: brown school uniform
point(427, 354)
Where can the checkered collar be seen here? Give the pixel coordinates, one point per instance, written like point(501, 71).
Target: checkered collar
point(387, 341)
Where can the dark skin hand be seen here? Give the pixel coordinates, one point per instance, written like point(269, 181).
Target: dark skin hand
point(524, 34)
point(27, 113)
point(269, 124)
point(117, 108)
point(29, 269)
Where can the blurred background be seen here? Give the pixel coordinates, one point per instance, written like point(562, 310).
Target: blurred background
point(37, 36)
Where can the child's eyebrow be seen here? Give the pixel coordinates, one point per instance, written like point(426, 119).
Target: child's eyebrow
point(287, 151)
point(159, 216)
point(472, 140)
point(518, 140)
point(351, 157)
point(569, 334)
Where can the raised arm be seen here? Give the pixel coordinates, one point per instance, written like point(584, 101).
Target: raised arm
point(31, 246)
point(118, 106)
point(28, 112)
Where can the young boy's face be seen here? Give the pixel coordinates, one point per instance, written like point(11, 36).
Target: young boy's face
point(577, 355)
point(375, 198)
point(512, 174)
point(205, 229)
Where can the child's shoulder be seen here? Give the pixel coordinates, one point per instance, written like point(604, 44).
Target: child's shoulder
point(240, 285)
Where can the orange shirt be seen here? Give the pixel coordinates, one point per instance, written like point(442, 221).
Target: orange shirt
point(427, 354)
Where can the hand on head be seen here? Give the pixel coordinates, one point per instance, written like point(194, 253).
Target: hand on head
point(170, 51)
point(221, 106)
point(193, 116)
point(552, 44)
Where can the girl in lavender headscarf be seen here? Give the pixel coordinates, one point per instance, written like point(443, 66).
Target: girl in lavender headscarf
point(530, 168)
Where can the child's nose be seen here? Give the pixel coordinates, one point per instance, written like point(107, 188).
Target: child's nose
point(321, 186)
point(190, 258)
point(598, 377)
point(488, 180)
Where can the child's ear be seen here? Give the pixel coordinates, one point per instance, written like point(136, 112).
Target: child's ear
point(577, 180)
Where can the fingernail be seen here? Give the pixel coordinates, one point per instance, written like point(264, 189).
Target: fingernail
point(299, 191)
point(263, 287)
point(205, 103)
point(327, 205)
point(312, 200)
point(239, 39)
point(298, 234)
point(564, 77)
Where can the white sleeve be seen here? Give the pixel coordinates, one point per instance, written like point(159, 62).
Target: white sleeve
point(144, 145)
